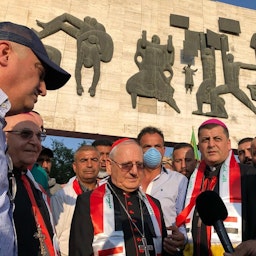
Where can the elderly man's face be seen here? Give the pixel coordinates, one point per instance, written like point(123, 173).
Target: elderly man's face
point(125, 177)
point(214, 145)
point(86, 166)
point(23, 150)
point(26, 82)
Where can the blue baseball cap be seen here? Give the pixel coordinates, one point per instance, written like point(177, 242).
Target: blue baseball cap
point(55, 76)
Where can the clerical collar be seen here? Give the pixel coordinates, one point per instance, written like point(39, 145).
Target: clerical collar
point(18, 172)
point(212, 170)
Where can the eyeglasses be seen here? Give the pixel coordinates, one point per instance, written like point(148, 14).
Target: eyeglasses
point(27, 134)
point(126, 167)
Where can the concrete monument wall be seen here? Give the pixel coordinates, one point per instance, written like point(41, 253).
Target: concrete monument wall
point(110, 111)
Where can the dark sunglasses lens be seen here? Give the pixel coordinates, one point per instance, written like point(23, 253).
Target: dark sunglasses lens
point(127, 167)
point(26, 134)
point(140, 166)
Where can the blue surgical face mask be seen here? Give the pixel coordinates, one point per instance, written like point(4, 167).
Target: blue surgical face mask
point(152, 158)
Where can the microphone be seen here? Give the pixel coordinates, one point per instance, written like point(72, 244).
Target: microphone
point(213, 212)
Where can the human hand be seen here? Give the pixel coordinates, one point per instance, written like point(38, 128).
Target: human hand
point(175, 240)
point(247, 248)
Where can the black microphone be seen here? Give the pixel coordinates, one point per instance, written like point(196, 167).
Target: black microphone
point(213, 212)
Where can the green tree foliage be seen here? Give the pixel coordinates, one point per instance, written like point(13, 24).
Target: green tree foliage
point(62, 169)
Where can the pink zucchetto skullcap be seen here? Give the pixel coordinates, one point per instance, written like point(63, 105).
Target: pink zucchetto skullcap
point(118, 142)
point(213, 121)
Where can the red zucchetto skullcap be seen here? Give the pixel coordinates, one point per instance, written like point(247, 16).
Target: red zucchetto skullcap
point(118, 142)
point(213, 121)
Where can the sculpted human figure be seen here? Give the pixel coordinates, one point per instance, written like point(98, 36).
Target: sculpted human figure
point(154, 61)
point(231, 71)
point(54, 54)
point(209, 78)
point(93, 44)
point(189, 81)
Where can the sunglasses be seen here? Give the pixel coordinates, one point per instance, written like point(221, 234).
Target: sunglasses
point(126, 167)
point(28, 134)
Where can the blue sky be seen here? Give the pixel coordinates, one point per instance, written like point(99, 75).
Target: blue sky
point(74, 143)
point(251, 4)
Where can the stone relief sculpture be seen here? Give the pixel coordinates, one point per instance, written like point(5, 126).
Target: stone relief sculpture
point(207, 92)
point(93, 44)
point(155, 64)
point(189, 81)
point(209, 78)
point(53, 53)
point(231, 78)
point(252, 88)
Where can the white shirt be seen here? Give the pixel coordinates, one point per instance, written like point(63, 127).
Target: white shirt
point(7, 233)
point(63, 204)
point(169, 187)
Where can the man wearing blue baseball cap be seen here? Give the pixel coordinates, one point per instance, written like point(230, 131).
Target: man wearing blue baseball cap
point(25, 73)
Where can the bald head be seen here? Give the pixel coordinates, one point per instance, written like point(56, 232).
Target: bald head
point(12, 121)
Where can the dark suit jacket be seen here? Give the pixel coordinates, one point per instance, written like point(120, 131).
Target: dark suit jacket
point(248, 187)
point(81, 234)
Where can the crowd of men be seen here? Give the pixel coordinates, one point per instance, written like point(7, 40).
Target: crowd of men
point(124, 199)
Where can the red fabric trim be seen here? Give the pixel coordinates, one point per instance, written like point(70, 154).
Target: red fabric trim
point(209, 234)
point(77, 187)
point(231, 219)
point(181, 218)
point(96, 209)
point(38, 216)
point(235, 181)
point(45, 193)
point(187, 220)
point(111, 251)
point(234, 186)
point(156, 211)
point(118, 142)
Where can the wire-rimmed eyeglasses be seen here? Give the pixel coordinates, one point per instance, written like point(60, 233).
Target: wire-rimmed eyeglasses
point(27, 134)
point(126, 167)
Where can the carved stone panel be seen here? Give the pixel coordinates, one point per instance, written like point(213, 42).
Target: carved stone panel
point(155, 71)
point(93, 44)
point(229, 26)
point(179, 21)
